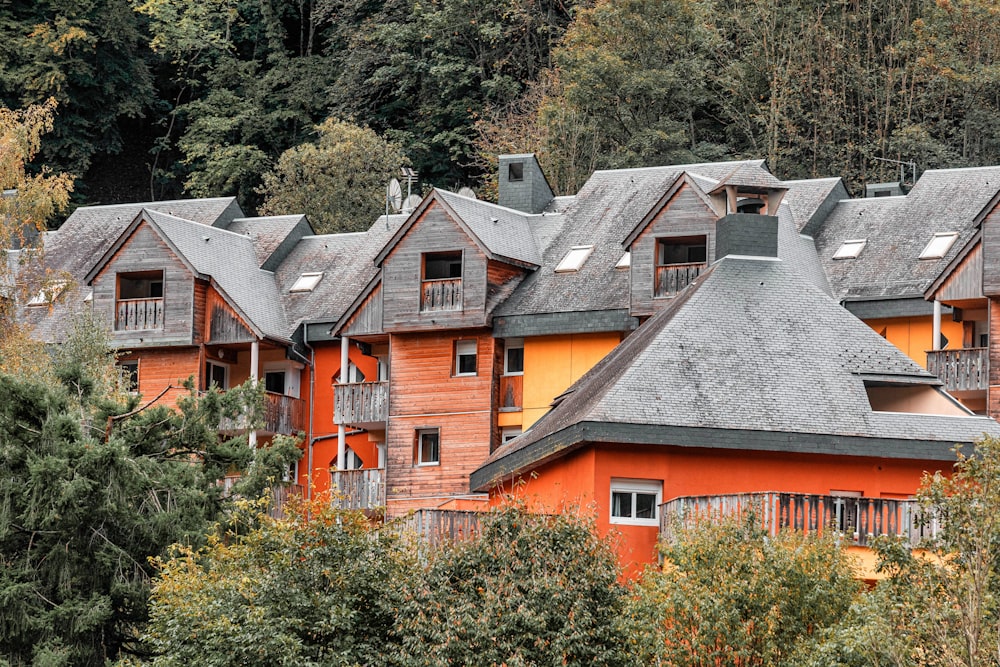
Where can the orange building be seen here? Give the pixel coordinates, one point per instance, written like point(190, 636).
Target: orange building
point(729, 396)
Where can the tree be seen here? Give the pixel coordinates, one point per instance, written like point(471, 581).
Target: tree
point(339, 180)
point(730, 594)
point(530, 590)
point(319, 587)
point(90, 489)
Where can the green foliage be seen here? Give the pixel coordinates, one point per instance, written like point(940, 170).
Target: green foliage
point(530, 590)
point(317, 588)
point(729, 594)
point(88, 493)
point(338, 181)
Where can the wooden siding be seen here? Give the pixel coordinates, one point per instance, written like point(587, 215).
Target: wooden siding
point(224, 325)
point(162, 368)
point(684, 215)
point(200, 311)
point(367, 319)
point(991, 252)
point(144, 250)
point(402, 271)
point(966, 281)
point(425, 394)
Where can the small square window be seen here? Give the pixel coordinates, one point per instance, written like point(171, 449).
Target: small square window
point(306, 282)
point(850, 249)
point(515, 171)
point(465, 357)
point(635, 501)
point(939, 245)
point(428, 446)
point(575, 258)
point(513, 363)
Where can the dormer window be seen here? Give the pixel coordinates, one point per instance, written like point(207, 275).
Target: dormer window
point(939, 245)
point(850, 249)
point(306, 282)
point(441, 283)
point(139, 305)
point(679, 260)
point(574, 259)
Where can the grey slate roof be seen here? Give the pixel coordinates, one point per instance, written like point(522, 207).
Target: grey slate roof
point(346, 261)
point(813, 198)
point(90, 230)
point(751, 174)
point(752, 350)
point(898, 229)
point(231, 261)
point(267, 233)
point(504, 231)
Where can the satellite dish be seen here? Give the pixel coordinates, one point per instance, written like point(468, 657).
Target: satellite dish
point(412, 202)
point(467, 192)
point(394, 195)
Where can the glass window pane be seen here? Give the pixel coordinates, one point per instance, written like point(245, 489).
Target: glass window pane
point(621, 504)
point(645, 506)
point(515, 360)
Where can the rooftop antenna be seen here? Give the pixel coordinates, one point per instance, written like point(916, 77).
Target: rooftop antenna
point(409, 176)
point(467, 192)
point(903, 164)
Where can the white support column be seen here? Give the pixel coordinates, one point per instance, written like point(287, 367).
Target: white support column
point(254, 362)
point(936, 329)
point(345, 344)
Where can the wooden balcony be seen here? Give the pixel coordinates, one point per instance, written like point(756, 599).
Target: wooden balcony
point(362, 404)
point(440, 526)
point(280, 494)
point(138, 314)
point(441, 294)
point(511, 392)
point(282, 414)
point(672, 278)
point(358, 489)
point(961, 370)
point(854, 519)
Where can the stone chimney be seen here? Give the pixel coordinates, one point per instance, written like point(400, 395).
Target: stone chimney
point(522, 185)
point(746, 234)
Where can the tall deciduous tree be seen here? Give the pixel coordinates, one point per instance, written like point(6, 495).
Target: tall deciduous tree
point(339, 180)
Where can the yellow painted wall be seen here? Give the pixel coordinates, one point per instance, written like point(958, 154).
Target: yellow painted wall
point(553, 363)
point(913, 336)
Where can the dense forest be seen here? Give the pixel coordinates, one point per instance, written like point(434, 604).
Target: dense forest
point(167, 98)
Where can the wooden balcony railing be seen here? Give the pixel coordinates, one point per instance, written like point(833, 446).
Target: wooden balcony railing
point(855, 519)
point(361, 403)
point(442, 294)
point(511, 392)
point(961, 370)
point(358, 489)
point(138, 314)
point(672, 278)
point(280, 494)
point(437, 526)
point(282, 414)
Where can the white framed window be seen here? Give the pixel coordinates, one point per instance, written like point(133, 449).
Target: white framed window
point(216, 374)
point(306, 282)
point(465, 357)
point(635, 501)
point(508, 433)
point(850, 249)
point(939, 245)
point(129, 370)
point(428, 447)
point(574, 259)
point(513, 357)
point(625, 261)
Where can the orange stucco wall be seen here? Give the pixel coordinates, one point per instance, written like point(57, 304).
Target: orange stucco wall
point(324, 431)
point(553, 363)
point(913, 335)
point(583, 479)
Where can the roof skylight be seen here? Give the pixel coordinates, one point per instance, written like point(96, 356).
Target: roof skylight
point(625, 261)
point(850, 249)
point(307, 282)
point(575, 258)
point(939, 245)
point(48, 294)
